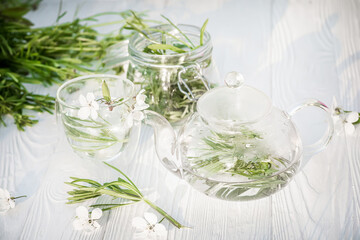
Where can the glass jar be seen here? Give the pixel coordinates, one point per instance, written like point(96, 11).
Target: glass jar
point(173, 82)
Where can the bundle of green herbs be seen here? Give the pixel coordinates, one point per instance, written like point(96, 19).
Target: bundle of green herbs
point(47, 55)
point(122, 188)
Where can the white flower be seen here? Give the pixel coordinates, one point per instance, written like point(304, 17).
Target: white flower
point(84, 222)
point(89, 106)
point(134, 116)
point(344, 118)
point(140, 101)
point(335, 111)
point(348, 122)
point(129, 120)
point(138, 115)
point(6, 201)
point(139, 77)
point(148, 228)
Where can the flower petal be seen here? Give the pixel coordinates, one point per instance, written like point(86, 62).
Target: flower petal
point(4, 205)
point(138, 115)
point(7, 194)
point(139, 223)
point(334, 103)
point(140, 97)
point(96, 213)
point(78, 224)
point(95, 105)
point(349, 128)
point(129, 120)
point(82, 213)
point(152, 235)
point(160, 229)
point(89, 227)
point(2, 193)
point(84, 113)
point(95, 224)
point(335, 118)
point(11, 203)
point(90, 97)
point(94, 113)
point(139, 107)
point(82, 100)
point(140, 236)
point(150, 218)
point(352, 117)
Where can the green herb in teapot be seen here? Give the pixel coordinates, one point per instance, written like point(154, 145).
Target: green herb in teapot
point(232, 154)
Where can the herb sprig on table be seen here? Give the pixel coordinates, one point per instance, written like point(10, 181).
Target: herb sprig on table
point(122, 188)
point(44, 56)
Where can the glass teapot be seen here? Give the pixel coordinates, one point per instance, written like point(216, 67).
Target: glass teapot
point(237, 146)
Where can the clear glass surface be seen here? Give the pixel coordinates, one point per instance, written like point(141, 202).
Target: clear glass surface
point(159, 74)
point(236, 147)
point(104, 135)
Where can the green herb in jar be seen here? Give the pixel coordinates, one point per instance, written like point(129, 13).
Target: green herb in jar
point(160, 55)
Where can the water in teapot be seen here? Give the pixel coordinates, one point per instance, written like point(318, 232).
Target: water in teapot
point(251, 163)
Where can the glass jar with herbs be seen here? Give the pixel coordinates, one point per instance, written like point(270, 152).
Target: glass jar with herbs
point(174, 64)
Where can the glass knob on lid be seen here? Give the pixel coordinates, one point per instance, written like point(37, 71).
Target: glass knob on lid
point(234, 80)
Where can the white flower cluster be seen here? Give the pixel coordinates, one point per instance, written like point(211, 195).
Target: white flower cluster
point(6, 201)
point(136, 114)
point(345, 119)
point(85, 221)
point(89, 108)
point(148, 228)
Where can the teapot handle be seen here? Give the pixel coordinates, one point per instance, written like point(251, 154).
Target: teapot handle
point(182, 81)
point(321, 144)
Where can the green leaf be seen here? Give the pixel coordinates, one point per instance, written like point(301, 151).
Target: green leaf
point(106, 92)
point(358, 121)
point(202, 31)
point(176, 27)
point(167, 216)
point(105, 207)
point(16, 12)
point(118, 170)
point(129, 191)
point(165, 47)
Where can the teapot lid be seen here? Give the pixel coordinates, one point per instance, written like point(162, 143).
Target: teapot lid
point(233, 104)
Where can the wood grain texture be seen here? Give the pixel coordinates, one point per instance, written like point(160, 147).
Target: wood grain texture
point(291, 50)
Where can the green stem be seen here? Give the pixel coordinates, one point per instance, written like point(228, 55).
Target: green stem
point(162, 219)
point(162, 212)
point(18, 197)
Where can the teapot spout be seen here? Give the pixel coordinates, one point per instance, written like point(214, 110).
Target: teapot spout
point(165, 141)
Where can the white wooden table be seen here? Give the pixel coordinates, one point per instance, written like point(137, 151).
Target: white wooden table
point(291, 50)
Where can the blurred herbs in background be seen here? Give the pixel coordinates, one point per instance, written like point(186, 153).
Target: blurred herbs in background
point(46, 55)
